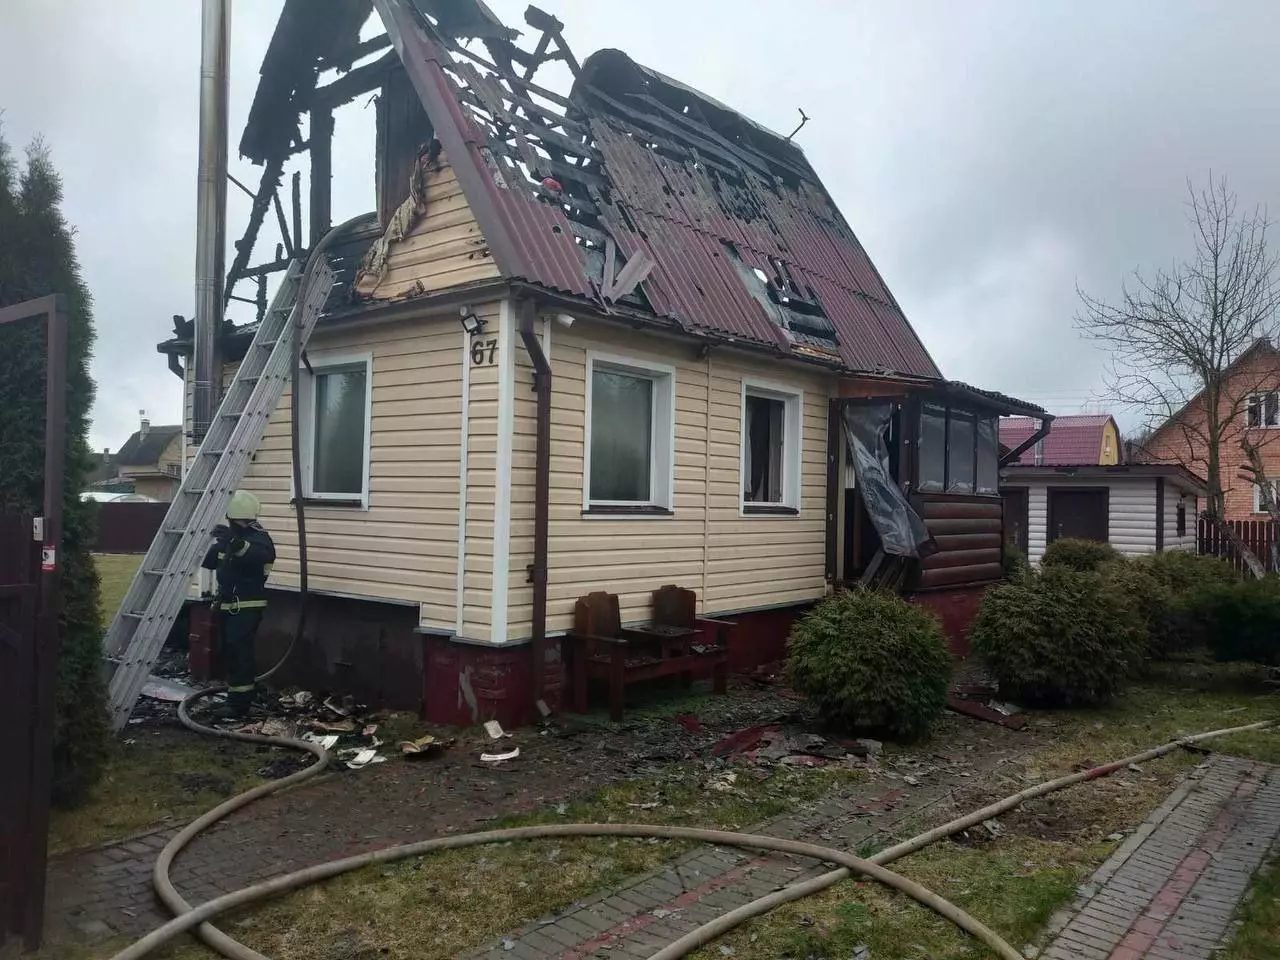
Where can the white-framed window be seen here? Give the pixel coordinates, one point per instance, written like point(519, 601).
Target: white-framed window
point(629, 445)
point(336, 410)
point(771, 416)
point(1263, 409)
point(1258, 506)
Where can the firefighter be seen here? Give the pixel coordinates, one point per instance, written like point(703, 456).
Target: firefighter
point(241, 556)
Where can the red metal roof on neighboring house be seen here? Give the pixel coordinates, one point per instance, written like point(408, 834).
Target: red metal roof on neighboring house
point(1072, 440)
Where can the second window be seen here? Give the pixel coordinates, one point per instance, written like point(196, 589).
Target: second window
point(770, 449)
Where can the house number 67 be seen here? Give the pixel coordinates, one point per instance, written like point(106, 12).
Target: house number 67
point(482, 351)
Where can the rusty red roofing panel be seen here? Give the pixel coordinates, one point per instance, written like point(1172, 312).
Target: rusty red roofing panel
point(1072, 440)
point(694, 217)
point(683, 219)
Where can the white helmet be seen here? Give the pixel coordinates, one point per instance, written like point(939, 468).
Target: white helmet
point(243, 506)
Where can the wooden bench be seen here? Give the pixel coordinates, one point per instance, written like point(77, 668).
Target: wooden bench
point(676, 643)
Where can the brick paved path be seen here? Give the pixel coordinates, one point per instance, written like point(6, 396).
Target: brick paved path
point(96, 894)
point(99, 893)
point(1169, 892)
point(650, 912)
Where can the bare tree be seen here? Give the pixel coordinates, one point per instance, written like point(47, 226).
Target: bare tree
point(1183, 339)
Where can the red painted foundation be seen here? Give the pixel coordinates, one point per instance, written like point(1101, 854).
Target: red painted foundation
point(374, 652)
point(469, 683)
point(956, 609)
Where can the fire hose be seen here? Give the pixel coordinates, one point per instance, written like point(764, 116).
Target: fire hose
point(188, 917)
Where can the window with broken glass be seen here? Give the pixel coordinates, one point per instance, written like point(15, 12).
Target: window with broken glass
point(770, 447)
point(958, 452)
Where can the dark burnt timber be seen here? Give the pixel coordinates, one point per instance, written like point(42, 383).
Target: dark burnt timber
point(730, 231)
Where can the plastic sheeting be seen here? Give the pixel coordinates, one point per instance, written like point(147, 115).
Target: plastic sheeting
point(902, 532)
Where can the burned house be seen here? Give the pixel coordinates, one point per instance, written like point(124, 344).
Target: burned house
point(608, 340)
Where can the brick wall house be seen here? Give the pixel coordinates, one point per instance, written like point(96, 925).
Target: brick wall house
point(1251, 401)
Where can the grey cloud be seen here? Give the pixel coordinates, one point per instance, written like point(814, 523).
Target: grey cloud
point(990, 155)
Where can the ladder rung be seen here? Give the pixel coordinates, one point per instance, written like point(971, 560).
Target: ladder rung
point(213, 453)
point(155, 573)
point(193, 493)
point(132, 615)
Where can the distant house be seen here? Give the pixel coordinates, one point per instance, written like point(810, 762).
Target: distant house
point(103, 469)
point(151, 460)
point(1073, 441)
point(1251, 399)
point(1073, 483)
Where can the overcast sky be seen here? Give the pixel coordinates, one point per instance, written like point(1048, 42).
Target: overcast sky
point(990, 155)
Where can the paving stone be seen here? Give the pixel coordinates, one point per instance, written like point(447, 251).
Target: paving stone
point(1183, 881)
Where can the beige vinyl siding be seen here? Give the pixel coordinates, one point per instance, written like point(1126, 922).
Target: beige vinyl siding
point(734, 562)
point(445, 248)
point(482, 473)
point(404, 546)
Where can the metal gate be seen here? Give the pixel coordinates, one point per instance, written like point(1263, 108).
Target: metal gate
point(19, 575)
point(30, 569)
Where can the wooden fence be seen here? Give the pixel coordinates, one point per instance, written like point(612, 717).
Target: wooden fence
point(1258, 535)
point(128, 527)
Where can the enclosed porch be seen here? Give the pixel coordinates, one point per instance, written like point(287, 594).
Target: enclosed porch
point(913, 490)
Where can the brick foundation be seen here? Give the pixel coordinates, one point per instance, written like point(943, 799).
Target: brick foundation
point(374, 652)
point(956, 609)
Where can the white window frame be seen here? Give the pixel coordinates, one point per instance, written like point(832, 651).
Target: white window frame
point(662, 435)
point(1261, 397)
point(324, 363)
point(792, 446)
point(1257, 493)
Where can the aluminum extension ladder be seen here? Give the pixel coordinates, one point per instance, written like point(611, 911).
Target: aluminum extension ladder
point(142, 624)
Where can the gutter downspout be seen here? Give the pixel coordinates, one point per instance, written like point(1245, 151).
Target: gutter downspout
point(1027, 444)
point(211, 211)
point(528, 310)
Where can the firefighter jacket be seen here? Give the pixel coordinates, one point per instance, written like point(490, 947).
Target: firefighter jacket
point(241, 555)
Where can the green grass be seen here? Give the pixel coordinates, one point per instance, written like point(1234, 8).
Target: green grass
point(441, 905)
point(1258, 937)
point(444, 905)
point(1013, 887)
point(115, 570)
point(1015, 883)
point(156, 776)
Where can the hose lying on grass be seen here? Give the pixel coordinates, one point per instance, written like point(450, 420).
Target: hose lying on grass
point(723, 924)
point(188, 917)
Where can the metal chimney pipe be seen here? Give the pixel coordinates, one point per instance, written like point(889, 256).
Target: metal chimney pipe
point(211, 209)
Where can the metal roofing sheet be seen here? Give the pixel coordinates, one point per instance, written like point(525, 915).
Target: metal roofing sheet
point(684, 219)
point(1072, 440)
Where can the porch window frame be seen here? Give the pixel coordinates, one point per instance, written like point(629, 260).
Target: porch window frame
point(915, 411)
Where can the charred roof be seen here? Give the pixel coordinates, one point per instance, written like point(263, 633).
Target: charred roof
point(635, 192)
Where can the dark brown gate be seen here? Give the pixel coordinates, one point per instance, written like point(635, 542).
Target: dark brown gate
point(19, 573)
point(1078, 512)
point(30, 570)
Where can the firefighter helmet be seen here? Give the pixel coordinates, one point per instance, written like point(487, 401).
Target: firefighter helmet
point(243, 506)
